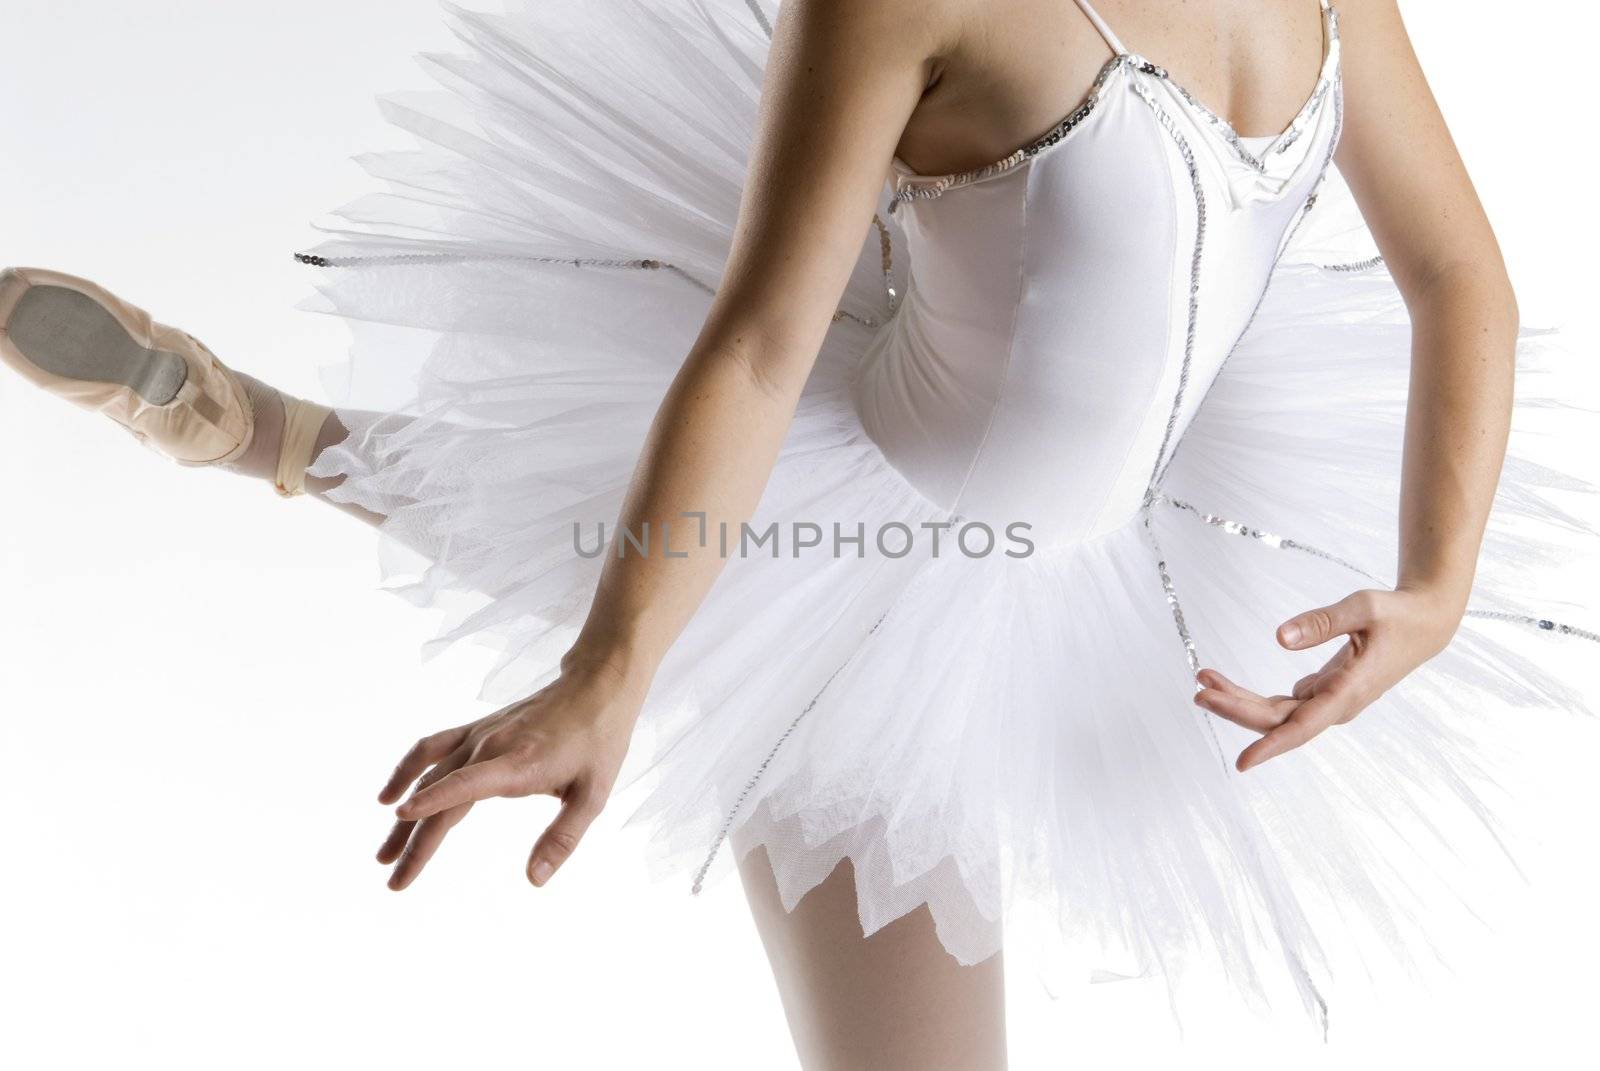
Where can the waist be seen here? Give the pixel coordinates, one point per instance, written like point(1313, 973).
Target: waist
point(1062, 442)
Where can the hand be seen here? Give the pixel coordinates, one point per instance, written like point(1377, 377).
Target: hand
point(568, 740)
point(1390, 633)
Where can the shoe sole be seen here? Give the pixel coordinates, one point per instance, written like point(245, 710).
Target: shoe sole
point(71, 335)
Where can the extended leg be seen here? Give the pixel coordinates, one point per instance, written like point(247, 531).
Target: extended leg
point(77, 340)
point(895, 1000)
point(261, 458)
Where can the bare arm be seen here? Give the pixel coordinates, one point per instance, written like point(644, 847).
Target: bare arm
point(841, 81)
point(1416, 198)
point(1420, 205)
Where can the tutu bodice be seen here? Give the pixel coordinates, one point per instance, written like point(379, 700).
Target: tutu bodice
point(1069, 306)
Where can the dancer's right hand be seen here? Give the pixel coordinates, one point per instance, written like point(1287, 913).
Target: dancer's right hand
point(568, 740)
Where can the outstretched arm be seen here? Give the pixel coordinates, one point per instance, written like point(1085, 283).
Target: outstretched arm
point(1416, 198)
point(842, 78)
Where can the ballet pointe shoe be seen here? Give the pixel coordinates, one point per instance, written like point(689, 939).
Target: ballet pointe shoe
point(80, 342)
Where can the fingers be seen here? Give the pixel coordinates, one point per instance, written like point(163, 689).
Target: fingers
point(1303, 723)
point(424, 753)
point(1311, 683)
point(425, 840)
point(499, 776)
point(1306, 686)
point(389, 851)
point(1210, 678)
point(1330, 696)
point(1246, 709)
point(1286, 737)
point(561, 838)
point(1314, 627)
point(1240, 705)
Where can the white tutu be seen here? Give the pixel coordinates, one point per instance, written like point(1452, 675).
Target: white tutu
point(970, 732)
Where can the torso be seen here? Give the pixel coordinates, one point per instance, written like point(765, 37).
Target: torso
point(1014, 67)
point(1069, 304)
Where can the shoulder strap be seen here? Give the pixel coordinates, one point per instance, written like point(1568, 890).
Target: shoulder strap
point(1105, 31)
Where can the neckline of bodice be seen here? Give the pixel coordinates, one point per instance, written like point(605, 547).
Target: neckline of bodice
point(1277, 143)
point(1256, 153)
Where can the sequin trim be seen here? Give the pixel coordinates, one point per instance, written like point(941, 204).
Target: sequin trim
point(1194, 279)
point(1239, 528)
point(1235, 527)
point(1283, 245)
point(918, 187)
point(380, 260)
point(620, 264)
point(1354, 265)
point(1543, 624)
point(760, 16)
point(1297, 126)
point(1170, 590)
point(886, 251)
point(927, 187)
point(755, 778)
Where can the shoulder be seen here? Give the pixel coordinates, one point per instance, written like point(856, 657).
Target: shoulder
point(1366, 23)
point(899, 29)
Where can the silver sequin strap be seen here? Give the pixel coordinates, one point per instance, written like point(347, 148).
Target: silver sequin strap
point(389, 260)
point(760, 770)
point(928, 187)
point(759, 15)
point(1234, 527)
point(1281, 542)
point(1193, 168)
point(1283, 246)
point(1354, 265)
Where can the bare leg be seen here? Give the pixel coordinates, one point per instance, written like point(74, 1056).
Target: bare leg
point(895, 1000)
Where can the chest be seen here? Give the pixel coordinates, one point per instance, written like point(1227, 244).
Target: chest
point(1023, 64)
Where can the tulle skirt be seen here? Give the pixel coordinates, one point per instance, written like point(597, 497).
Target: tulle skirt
point(972, 731)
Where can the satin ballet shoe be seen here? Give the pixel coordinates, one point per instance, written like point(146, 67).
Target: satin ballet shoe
point(80, 342)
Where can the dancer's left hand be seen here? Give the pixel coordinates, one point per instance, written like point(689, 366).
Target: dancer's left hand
point(1389, 634)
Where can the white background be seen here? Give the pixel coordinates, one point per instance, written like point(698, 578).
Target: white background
point(201, 689)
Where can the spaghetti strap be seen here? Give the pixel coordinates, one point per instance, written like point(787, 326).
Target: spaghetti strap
point(1105, 31)
point(1111, 38)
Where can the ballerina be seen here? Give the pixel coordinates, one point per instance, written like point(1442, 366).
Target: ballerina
point(902, 589)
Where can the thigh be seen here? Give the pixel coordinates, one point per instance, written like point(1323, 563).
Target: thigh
point(895, 1000)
